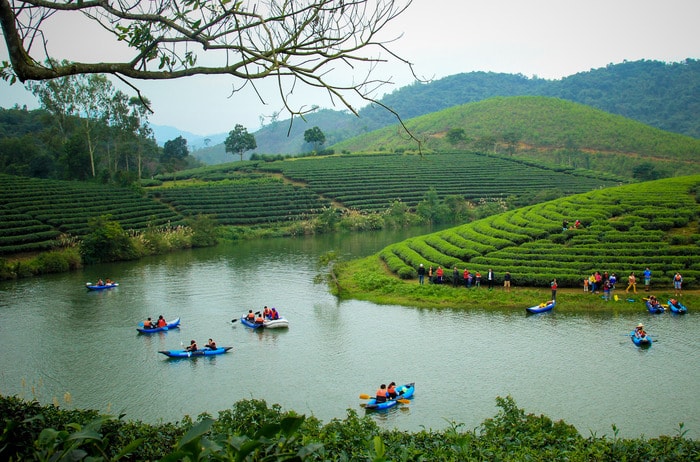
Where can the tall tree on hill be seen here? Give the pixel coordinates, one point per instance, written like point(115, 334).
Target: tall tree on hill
point(316, 137)
point(239, 141)
point(84, 98)
point(175, 154)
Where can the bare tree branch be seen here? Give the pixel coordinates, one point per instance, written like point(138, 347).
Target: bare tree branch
point(316, 43)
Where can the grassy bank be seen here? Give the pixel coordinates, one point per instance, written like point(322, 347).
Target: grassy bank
point(369, 279)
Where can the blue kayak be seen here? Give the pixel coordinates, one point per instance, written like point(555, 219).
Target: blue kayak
point(191, 354)
point(251, 324)
point(641, 341)
point(171, 325)
point(677, 307)
point(404, 391)
point(542, 307)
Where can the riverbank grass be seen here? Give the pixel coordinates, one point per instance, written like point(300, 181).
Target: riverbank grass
point(369, 279)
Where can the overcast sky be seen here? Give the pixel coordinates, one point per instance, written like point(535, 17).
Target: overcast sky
point(546, 38)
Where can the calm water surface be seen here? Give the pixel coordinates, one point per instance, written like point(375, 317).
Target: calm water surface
point(59, 338)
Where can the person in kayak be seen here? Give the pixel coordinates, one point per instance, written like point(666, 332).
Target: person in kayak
point(274, 314)
point(161, 321)
point(381, 394)
point(250, 316)
point(259, 318)
point(391, 390)
point(192, 346)
point(639, 331)
point(148, 324)
point(266, 312)
point(211, 345)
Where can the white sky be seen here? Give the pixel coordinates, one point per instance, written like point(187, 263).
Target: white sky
point(547, 38)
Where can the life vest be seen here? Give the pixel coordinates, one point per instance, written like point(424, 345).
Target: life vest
point(162, 323)
point(259, 320)
point(266, 312)
point(391, 390)
point(381, 393)
point(250, 316)
point(147, 324)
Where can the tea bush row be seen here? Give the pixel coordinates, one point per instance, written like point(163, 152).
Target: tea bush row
point(532, 245)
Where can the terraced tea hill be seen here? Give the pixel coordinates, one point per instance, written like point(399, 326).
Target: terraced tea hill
point(35, 214)
point(624, 229)
point(245, 201)
point(372, 182)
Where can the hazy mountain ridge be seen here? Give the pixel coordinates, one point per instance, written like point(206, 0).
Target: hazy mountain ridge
point(663, 95)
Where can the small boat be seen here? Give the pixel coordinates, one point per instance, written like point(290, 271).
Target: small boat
point(251, 324)
point(194, 354)
point(171, 325)
point(92, 286)
point(641, 341)
point(677, 307)
point(655, 309)
point(279, 323)
point(542, 307)
point(404, 392)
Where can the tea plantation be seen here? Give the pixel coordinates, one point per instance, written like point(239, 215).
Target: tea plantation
point(624, 229)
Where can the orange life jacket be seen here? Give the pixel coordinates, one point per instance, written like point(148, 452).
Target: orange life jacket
point(381, 393)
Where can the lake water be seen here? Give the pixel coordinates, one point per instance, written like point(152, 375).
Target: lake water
point(61, 339)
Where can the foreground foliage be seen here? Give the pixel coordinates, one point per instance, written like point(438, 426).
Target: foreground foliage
point(252, 431)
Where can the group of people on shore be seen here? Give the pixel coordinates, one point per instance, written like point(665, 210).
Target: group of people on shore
point(597, 282)
point(461, 277)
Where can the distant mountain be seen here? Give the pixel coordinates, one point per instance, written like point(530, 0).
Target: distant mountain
point(163, 133)
point(663, 95)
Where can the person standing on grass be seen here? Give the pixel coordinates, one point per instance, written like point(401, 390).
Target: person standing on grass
point(421, 274)
point(455, 276)
point(631, 283)
point(677, 281)
point(647, 279)
point(506, 282)
point(553, 285)
point(490, 277)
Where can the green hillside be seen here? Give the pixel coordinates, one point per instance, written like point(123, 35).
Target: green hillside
point(545, 129)
point(659, 94)
point(624, 229)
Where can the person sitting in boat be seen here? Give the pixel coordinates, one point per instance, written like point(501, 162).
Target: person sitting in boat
point(391, 390)
point(250, 316)
point(108, 282)
point(639, 331)
point(148, 324)
point(266, 312)
point(100, 282)
point(259, 318)
point(274, 314)
point(653, 301)
point(192, 346)
point(161, 321)
point(211, 345)
point(382, 394)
